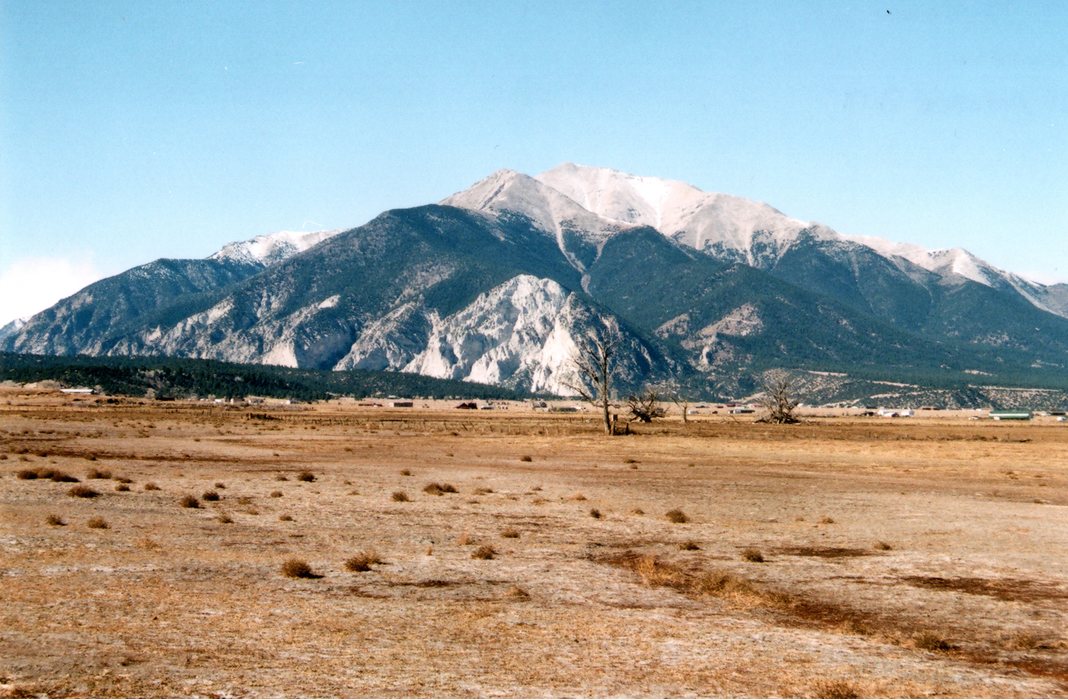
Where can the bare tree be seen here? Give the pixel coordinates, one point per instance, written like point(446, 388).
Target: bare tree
point(594, 368)
point(674, 392)
point(645, 405)
point(778, 399)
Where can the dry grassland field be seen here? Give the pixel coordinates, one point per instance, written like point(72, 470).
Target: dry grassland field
point(514, 553)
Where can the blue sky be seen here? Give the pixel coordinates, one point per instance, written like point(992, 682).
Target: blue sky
point(136, 130)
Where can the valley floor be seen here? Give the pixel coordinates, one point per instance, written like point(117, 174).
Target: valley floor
point(922, 557)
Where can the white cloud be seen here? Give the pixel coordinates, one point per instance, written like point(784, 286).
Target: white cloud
point(30, 285)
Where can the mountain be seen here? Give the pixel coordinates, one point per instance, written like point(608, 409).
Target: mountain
point(501, 282)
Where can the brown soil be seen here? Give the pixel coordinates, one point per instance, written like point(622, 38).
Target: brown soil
point(969, 599)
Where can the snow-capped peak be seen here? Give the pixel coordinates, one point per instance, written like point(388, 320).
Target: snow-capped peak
point(680, 210)
point(944, 261)
point(548, 209)
point(272, 248)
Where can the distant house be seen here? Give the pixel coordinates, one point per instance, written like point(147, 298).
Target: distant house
point(403, 404)
point(1018, 414)
point(77, 390)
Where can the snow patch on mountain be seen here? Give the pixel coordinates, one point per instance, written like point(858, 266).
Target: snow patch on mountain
point(272, 248)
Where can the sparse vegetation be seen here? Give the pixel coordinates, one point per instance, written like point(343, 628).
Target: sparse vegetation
point(882, 546)
point(82, 491)
point(210, 496)
point(276, 494)
point(677, 516)
point(689, 546)
point(826, 520)
point(55, 520)
point(510, 533)
point(298, 568)
point(595, 514)
point(526, 458)
point(95, 473)
point(285, 518)
point(189, 501)
point(400, 497)
point(225, 518)
point(405, 472)
point(306, 476)
point(486, 551)
point(150, 486)
point(122, 487)
point(97, 523)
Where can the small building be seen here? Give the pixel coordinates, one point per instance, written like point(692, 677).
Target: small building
point(1016, 414)
point(403, 403)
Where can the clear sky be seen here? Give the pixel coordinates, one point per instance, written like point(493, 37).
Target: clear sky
point(136, 130)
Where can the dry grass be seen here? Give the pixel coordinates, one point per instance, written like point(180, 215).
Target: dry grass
point(677, 516)
point(516, 593)
point(276, 494)
point(122, 488)
point(841, 689)
point(150, 486)
point(210, 496)
point(526, 458)
point(189, 501)
point(97, 523)
point(55, 520)
point(436, 489)
point(83, 492)
point(510, 533)
point(930, 641)
point(285, 518)
point(882, 546)
point(595, 514)
point(46, 473)
point(400, 497)
point(298, 568)
point(95, 473)
point(752, 554)
point(306, 476)
point(486, 551)
point(363, 561)
point(405, 472)
point(833, 606)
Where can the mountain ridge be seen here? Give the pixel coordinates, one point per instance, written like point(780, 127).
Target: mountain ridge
point(500, 282)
